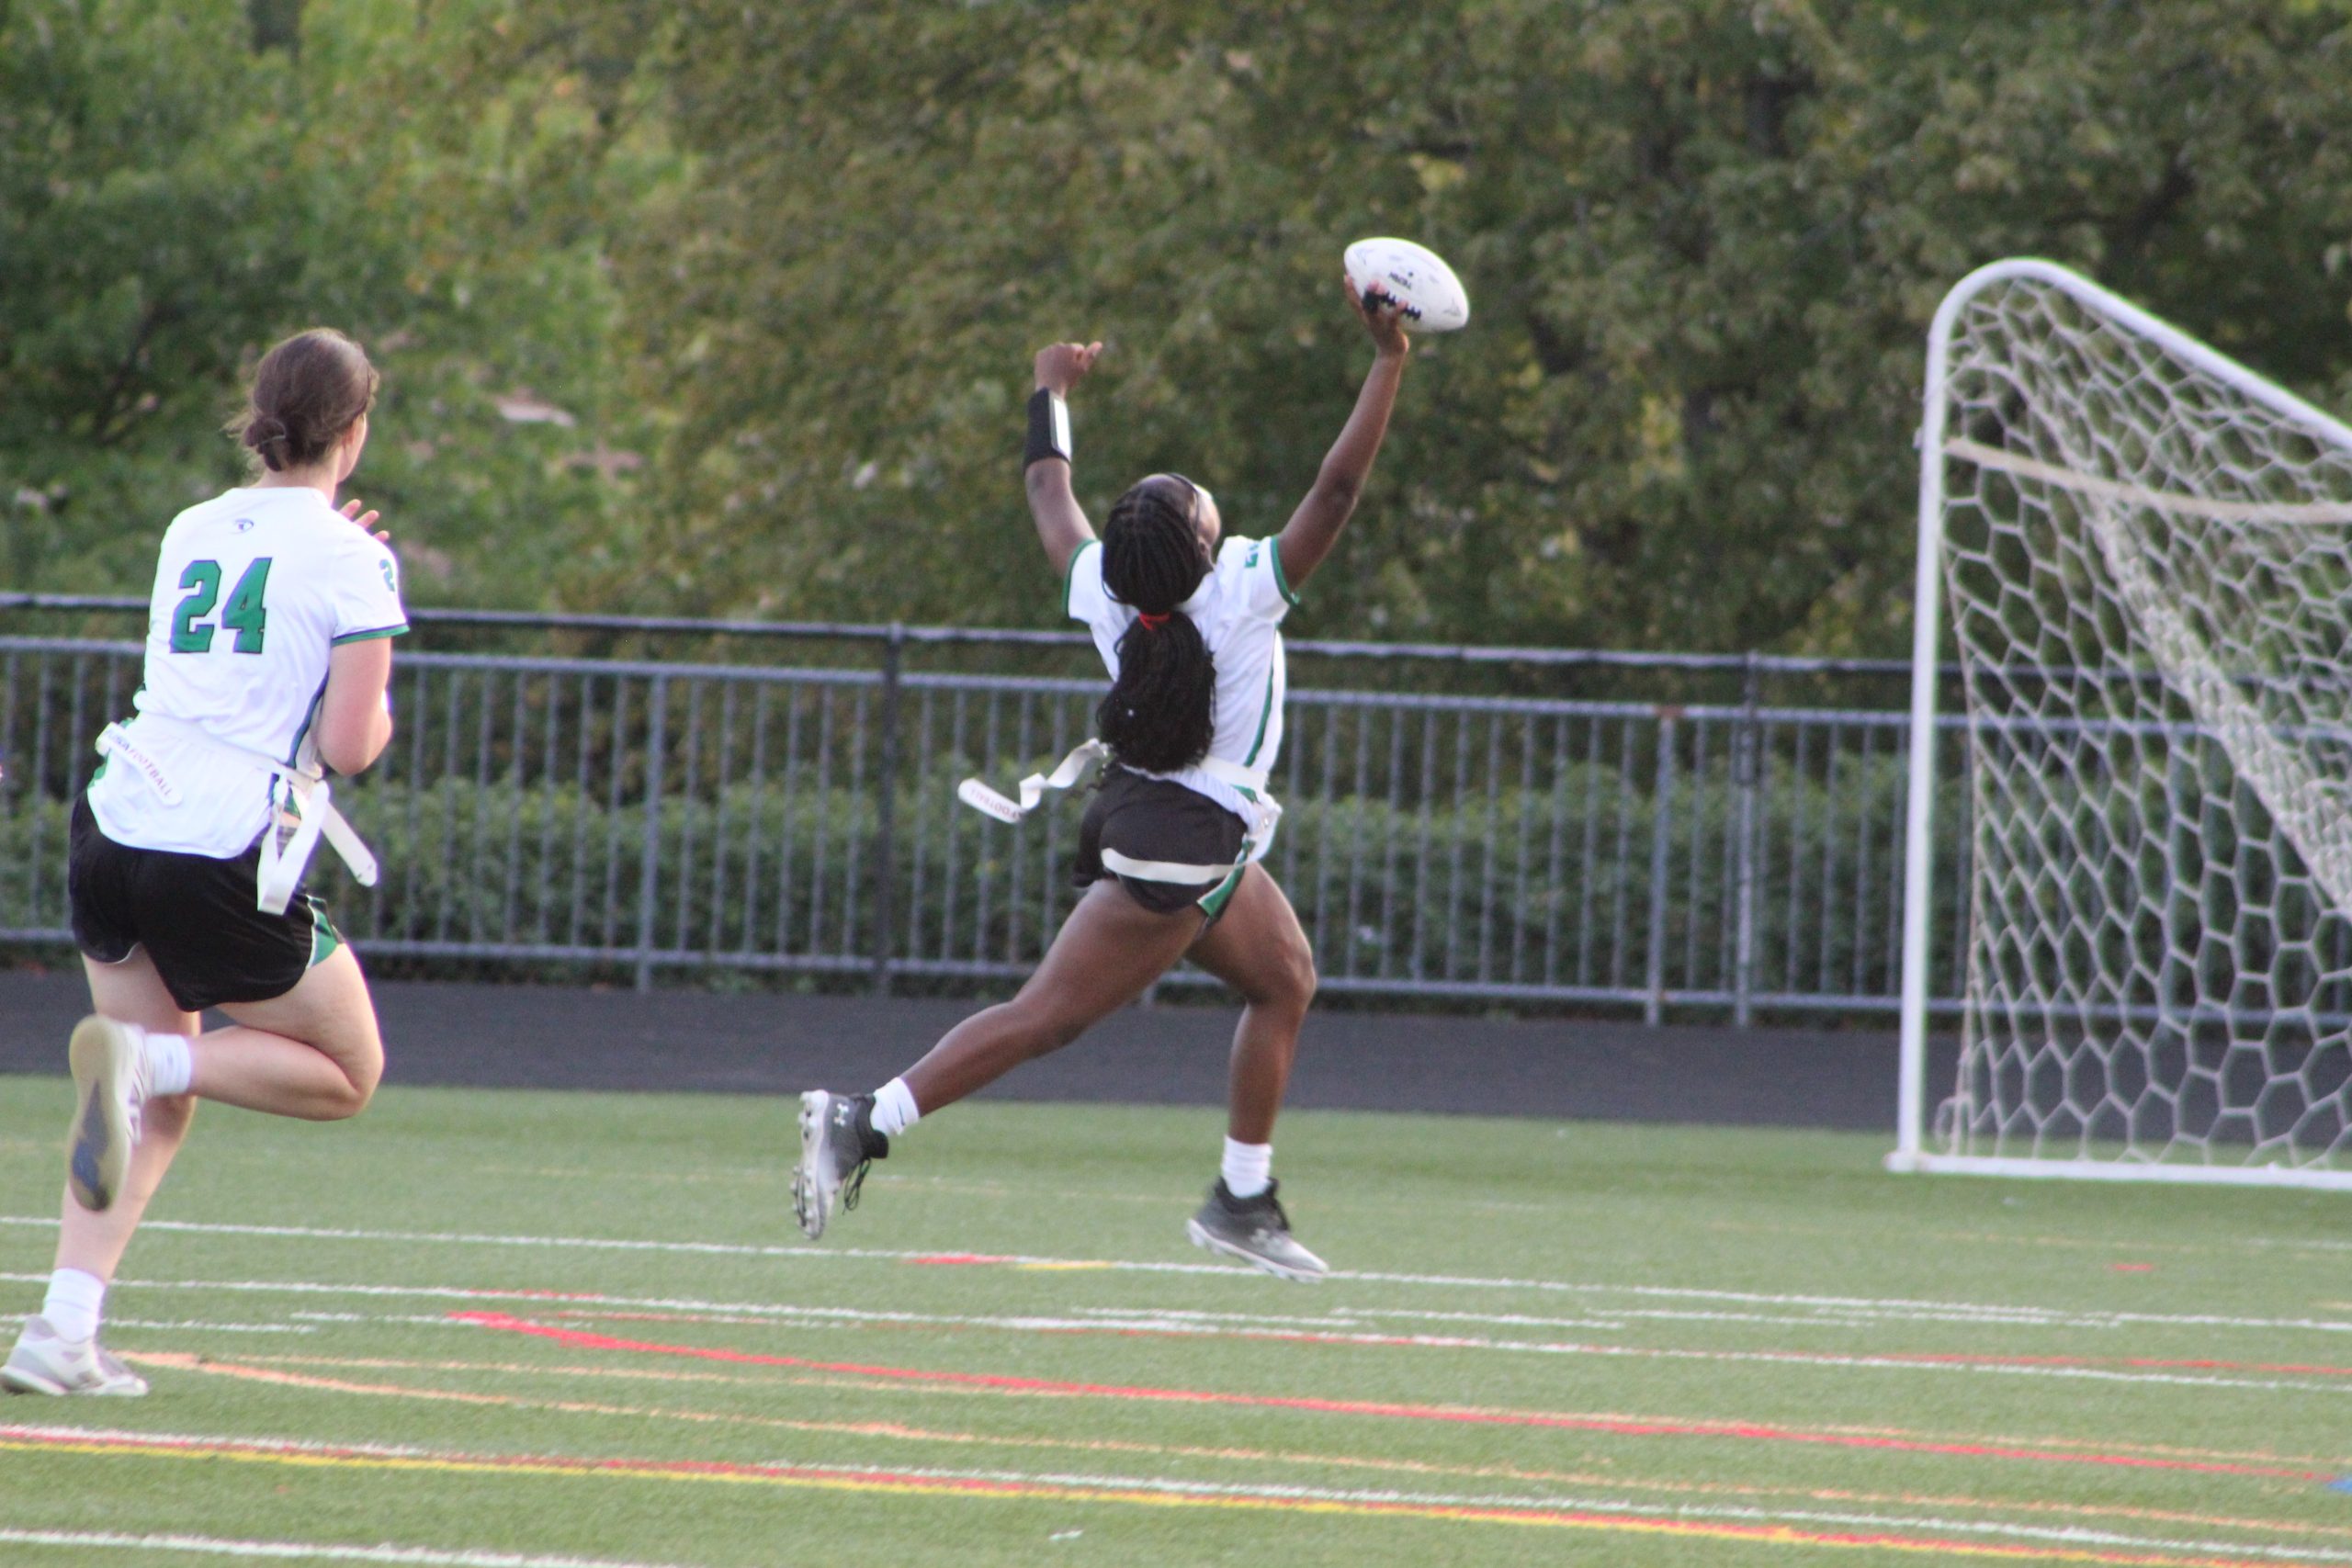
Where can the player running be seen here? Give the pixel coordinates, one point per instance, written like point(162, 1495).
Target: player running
point(268, 659)
point(1170, 851)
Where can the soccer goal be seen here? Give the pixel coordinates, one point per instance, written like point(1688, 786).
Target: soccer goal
point(2143, 552)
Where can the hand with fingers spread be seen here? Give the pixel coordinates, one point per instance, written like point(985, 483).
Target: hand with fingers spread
point(367, 521)
point(1062, 366)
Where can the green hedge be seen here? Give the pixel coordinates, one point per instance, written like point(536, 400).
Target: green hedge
point(1473, 890)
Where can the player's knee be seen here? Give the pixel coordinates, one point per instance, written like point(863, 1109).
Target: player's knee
point(1053, 1028)
point(1288, 978)
point(360, 1077)
point(1298, 976)
point(345, 1101)
point(1040, 1024)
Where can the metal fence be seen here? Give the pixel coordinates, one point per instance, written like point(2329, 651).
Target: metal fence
point(661, 816)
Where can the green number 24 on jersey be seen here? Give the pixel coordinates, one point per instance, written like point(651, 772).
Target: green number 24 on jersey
point(243, 614)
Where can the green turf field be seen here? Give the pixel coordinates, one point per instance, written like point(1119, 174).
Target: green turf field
point(501, 1328)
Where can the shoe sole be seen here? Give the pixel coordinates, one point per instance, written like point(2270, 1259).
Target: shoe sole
point(17, 1381)
point(811, 1204)
point(1207, 1242)
point(98, 1144)
point(20, 1380)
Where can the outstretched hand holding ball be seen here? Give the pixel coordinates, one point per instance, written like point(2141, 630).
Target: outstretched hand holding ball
point(1383, 317)
point(1427, 294)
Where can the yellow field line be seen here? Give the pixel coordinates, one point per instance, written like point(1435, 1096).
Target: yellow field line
point(900, 1432)
point(883, 1483)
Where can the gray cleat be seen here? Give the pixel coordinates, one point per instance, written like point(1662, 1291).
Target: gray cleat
point(43, 1363)
point(1256, 1231)
point(109, 1080)
point(837, 1143)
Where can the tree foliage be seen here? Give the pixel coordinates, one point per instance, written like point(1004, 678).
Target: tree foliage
point(1703, 239)
point(181, 184)
point(797, 257)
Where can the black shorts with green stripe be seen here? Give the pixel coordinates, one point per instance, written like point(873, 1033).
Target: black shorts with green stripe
point(1169, 847)
point(194, 914)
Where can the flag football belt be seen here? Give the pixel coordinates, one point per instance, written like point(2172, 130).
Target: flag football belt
point(1252, 781)
point(307, 798)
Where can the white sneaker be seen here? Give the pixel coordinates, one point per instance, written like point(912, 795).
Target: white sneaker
point(110, 1061)
point(43, 1363)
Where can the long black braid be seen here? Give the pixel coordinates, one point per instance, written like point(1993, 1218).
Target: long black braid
point(1159, 711)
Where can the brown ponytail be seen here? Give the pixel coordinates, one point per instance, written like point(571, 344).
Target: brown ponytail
point(306, 394)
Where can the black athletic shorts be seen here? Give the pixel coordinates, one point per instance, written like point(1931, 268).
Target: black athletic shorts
point(194, 914)
point(1136, 820)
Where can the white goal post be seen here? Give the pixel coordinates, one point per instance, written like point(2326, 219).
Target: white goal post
point(2143, 551)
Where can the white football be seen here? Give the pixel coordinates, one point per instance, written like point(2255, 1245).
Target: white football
point(1416, 277)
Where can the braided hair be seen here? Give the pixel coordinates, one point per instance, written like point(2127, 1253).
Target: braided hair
point(1157, 716)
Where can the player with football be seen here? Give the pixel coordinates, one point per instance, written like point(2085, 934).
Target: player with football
point(268, 653)
point(1171, 849)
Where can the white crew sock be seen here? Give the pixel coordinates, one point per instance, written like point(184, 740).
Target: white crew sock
point(170, 1069)
point(894, 1109)
point(1249, 1168)
point(74, 1297)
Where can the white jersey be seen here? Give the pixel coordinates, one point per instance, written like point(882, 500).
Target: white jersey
point(1239, 607)
point(252, 590)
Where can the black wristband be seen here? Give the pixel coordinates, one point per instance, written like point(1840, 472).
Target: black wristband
point(1049, 428)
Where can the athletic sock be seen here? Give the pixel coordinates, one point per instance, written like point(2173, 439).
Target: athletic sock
point(894, 1109)
point(71, 1307)
point(170, 1069)
point(1249, 1168)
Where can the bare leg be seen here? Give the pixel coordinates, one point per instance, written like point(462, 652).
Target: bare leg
point(313, 1053)
point(133, 992)
point(263, 1064)
point(1107, 952)
point(1258, 950)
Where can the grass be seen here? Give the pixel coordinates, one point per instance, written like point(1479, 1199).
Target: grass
point(1548, 1343)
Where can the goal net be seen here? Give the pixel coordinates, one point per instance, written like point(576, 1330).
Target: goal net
point(2142, 552)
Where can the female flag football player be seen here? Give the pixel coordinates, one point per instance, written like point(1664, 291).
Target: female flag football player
point(1171, 847)
point(267, 656)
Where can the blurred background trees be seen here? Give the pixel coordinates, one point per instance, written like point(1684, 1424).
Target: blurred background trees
point(728, 307)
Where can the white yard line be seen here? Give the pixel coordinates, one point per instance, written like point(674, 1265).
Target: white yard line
point(16, 1320)
point(1152, 1321)
point(1830, 1307)
point(216, 1546)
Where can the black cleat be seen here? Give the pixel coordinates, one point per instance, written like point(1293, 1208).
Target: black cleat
point(1256, 1231)
point(837, 1143)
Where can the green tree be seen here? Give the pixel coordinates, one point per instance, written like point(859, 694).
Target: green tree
point(1703, 241)
point(181, 184)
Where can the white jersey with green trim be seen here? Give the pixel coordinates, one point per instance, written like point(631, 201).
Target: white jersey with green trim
point(1239, 607)
point(252, 591)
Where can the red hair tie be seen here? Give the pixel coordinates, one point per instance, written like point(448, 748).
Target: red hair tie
point(1153, 622)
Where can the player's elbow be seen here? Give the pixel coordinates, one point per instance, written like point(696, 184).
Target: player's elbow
point(353, 749)
point(1337, 491)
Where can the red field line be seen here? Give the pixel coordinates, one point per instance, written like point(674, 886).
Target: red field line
point(1615, 1425)
point(1976, 1502)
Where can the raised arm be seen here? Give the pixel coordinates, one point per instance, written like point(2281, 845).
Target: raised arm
point(1314, 527)
point(1062, 526)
